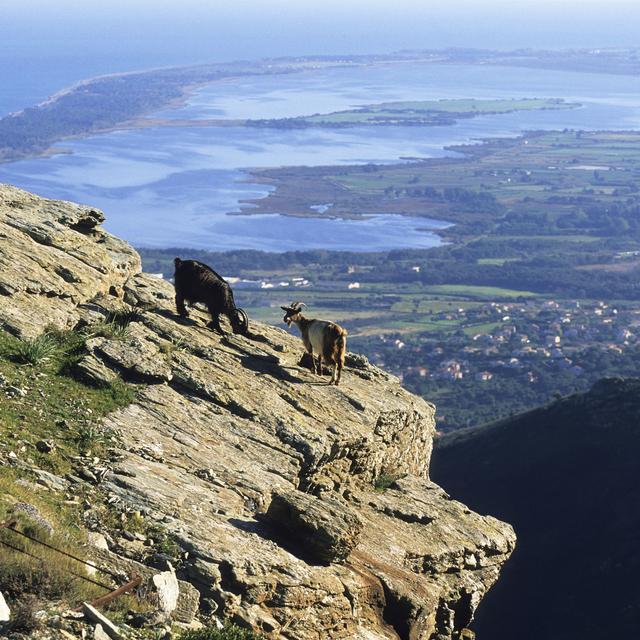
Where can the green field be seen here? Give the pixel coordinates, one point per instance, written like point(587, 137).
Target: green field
point(424, 112)
point(483, 293)
point(464, 105)
point(403, 112)
point(486, 327)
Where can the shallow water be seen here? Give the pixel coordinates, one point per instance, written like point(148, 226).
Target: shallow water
point(173, 186)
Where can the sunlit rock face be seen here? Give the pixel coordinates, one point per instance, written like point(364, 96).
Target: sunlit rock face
point(221, 425)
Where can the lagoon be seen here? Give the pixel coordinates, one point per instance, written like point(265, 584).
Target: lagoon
point(173, 186)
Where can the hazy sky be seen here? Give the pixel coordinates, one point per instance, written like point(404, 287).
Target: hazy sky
point(125, 34)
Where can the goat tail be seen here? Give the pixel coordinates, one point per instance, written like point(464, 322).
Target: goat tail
point(342, 347)
point(337, 333)
point(338, 343)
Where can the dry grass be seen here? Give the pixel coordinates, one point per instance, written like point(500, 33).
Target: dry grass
point(33, 576)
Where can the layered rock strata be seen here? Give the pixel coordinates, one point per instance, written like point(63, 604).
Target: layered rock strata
point(221, 425)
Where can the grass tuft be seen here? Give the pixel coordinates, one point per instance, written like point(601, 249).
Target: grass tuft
point(90, 437)
point(116, 326)
point(36, 351)
point(174, 344)
point(110, 329)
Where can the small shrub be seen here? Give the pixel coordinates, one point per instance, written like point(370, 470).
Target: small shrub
point(165, 542)
point(116, 326)
point(36, 350)
point(124, 317)
point(120, 392)
point(229, 632)
point(23, 617)
point(90, 437)
point(384, 481)
point(135, 522)
point(70, 341)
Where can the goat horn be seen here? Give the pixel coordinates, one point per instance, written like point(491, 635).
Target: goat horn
point(298, 305)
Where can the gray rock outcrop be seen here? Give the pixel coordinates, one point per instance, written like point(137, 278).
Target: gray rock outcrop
point(221, 425)
point(54, 256)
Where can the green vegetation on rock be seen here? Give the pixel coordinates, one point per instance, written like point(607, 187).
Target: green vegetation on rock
point(229, 632)
point(43, 401)
point(48, 421)
point(29, 569)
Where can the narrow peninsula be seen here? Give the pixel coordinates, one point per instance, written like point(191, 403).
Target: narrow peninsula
point(127, 100)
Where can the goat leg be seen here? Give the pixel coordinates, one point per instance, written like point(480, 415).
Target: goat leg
point(215, 323)
point(180, 306)
point(232, 321)
point(309, 350)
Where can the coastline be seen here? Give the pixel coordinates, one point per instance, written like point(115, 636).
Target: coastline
point(181, 82)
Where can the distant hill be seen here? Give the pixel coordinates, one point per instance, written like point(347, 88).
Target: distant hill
point(567, 477)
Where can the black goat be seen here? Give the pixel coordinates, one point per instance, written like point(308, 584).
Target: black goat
point(196, 282)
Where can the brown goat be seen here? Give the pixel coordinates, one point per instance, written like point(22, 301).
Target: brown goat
point(326, 339)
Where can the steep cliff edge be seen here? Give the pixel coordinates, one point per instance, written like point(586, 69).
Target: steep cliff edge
point(566, 476)
point(263, 473)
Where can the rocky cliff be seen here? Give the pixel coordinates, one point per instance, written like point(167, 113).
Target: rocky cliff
point(265, 475)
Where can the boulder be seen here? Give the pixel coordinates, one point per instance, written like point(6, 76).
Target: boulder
point(105, 625)
point(167, 590)
point(31, 512)
point(55, 257)
point(188, 598)
point(99, 633)
point(93, 371)
point(322, 529)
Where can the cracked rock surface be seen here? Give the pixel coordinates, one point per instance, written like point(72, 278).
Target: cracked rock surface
point(53, 257)
point(221, 425)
